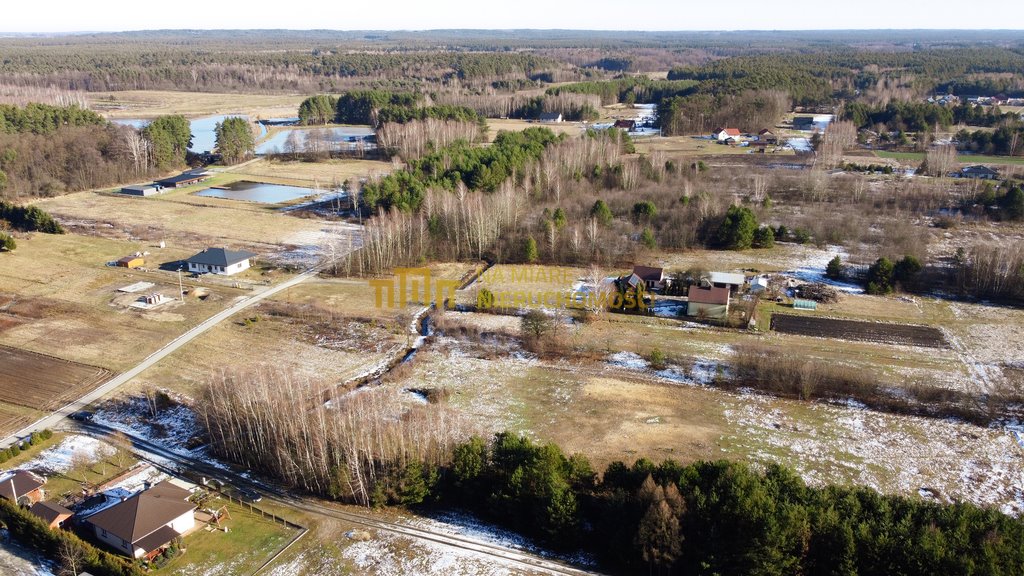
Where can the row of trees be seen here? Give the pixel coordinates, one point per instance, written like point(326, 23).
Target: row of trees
point(348, 448)
point(704, 518)
point(28, 218)
point(71, 553)
point(38, 118)
point(460, 163)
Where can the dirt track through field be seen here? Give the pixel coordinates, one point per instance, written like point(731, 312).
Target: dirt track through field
point(881, 332)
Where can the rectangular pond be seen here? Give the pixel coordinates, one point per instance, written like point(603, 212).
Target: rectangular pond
point(259, 192)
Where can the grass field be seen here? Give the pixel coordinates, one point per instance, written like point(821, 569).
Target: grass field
point(151, 103)
point(694, 146)
point(185, 220)
point(962, 158)
point(65, 302)
point(249, 542)
point(313, 173)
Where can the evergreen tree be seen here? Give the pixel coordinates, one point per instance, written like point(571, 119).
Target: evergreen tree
point(880, 277)
point(647, 238)
point(169, 137)
point(1012, 204)
point(235, 140)
point(737, 230)
point(602, 212)
point(834, 269)
point(764, 237)
point(644, 211)
point(530, 250)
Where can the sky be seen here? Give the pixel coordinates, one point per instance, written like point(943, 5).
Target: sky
point(119, 15)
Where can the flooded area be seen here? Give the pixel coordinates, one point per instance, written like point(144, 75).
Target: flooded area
point(204, 138)
point(336, 138)
point(258, 192)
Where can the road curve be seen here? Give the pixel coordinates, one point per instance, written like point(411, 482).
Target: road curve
point(120, 379)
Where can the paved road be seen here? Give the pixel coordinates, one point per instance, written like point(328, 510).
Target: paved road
point(178, 464)
point(120, 379)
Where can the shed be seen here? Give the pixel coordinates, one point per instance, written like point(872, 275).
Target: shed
point(22, 487)
point(131, 262)
point(629, 125)
point(801, 304)
point(653, 277)
point(707, 302)
point(183, 179)
point(140, 190)
point(52, 513)
point(730, 280)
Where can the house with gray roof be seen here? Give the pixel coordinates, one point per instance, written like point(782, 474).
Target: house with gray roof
point(219, 261)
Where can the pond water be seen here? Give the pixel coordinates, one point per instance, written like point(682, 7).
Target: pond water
point(258, 192)
point(204, 139)
point(339, 137)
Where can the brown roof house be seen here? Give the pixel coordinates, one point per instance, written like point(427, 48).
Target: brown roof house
point(22, 487)
point(144, 524)
point(654, 278)
point(711, 303)
point(52, 513)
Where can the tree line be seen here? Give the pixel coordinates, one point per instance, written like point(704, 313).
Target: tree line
point(29, 218)
point(477, 168)
point(73, 554)
point(48, 150)
point(702, 518)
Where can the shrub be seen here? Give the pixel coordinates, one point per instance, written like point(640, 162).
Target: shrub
point(764, 237)
point(834, 270)
point(644, 211)
point(602, 212)
point(7, 242)
point(737, 230)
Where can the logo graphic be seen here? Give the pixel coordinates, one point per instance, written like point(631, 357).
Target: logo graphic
point(413, 285)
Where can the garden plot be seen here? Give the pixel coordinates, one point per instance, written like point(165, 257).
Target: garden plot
point(883, 333)
point(43, 382)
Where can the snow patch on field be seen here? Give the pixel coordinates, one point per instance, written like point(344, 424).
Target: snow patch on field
point(954, 461)
point(59, 458)
point(812, 269)
point(172, 427)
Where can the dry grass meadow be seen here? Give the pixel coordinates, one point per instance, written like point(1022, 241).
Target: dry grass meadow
point(152, 103)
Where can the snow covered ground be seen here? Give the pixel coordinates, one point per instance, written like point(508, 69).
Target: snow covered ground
point(59, 458)
point(812, 269)
point(828, 444)
point(18, 561)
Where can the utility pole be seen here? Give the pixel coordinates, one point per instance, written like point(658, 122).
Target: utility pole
point(181, 289)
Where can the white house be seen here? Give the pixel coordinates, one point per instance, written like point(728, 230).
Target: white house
point(145, 523)
point(550, 117)
point(219, 261)
point(723, 134)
